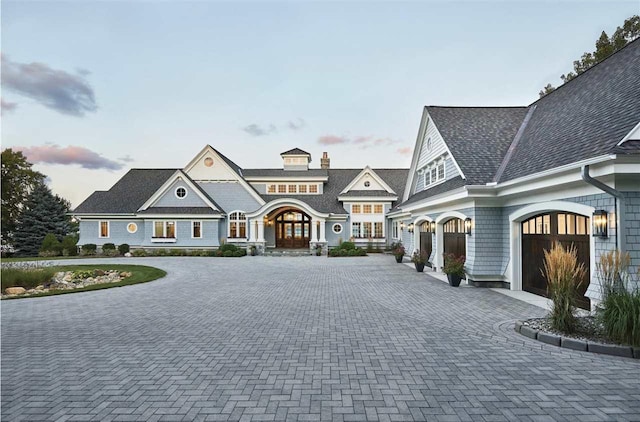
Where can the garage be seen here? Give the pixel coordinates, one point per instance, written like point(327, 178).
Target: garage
point(426, 239)
point(454, 237)
point(539, 233)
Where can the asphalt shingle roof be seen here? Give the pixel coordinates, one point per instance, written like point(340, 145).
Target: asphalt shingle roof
point(584, 118)
point(357, 193)
point(449, 185)
point(478, 137)
point(179, 210)
point(284, 173)
point(128, 194)
point(295, 151)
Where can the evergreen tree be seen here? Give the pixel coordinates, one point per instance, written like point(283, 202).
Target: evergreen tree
point(43, 213)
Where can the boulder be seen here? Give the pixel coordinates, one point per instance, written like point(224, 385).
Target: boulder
point(14, 290)
point(128, 255)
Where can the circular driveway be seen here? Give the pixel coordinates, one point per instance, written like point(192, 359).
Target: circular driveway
point(266, 338)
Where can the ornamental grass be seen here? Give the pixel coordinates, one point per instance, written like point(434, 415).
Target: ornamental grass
point(564, 277)
point(619, 311)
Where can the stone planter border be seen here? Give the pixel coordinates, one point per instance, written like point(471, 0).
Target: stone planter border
point(575, 344)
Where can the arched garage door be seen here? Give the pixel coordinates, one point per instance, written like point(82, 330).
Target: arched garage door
point(426, 245)
point(454, 237)
point(539, 233)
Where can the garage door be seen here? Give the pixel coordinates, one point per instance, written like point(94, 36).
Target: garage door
point(425, 239)
point(454, 237)
point(539, 233)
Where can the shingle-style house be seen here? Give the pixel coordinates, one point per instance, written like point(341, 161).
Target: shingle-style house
point(212, 200)
point(500, 184)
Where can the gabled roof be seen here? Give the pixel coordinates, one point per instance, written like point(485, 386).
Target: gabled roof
point(368, 170)
point(296, 151)
point(478, 137)
point(128, 194)
point(449, 185)
point(179, 210)
point(584, 118)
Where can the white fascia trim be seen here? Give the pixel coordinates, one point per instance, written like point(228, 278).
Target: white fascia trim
point(178, 175)
point(181, 216)
point(398, 214)
point(388, 199)
point(454, 195)
point(105, 216)
point(282, 202)
point(238, 178)
point(556, 170)
point(633, 135)
point(285, 179)
point(373, 174)
point(416, 154)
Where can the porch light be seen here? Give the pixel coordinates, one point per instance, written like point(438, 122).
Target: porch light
point(402, 225)
point(432, 226)
point(410, 227)
point(600, 223)
point(467, 226)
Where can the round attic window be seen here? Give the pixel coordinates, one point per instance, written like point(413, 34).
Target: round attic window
point(181, 192)
point(208, 161)
point(429, 144)
point(132, 227)
point(337, 228)
point(367, 184)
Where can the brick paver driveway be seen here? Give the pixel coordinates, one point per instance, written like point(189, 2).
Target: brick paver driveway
point(298, 339)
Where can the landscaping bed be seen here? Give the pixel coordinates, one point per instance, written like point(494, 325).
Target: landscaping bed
point(22, 281)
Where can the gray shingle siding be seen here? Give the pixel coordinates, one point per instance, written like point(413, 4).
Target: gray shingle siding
point(487, 239)
point(169, 199)
point(118, 233)
point(231, 196)
point(633, 229)
point(210, 234)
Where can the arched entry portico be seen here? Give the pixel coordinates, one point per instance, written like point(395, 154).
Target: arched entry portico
point(292, 228)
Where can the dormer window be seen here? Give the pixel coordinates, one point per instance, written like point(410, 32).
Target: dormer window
point(434, 172)
point(296, 159)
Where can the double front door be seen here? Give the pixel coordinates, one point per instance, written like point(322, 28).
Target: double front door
point(293, 230)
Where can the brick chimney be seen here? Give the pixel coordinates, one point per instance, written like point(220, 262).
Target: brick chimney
point(324, 161)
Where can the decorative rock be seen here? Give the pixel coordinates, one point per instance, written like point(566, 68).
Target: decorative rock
point(39, 287)
point(68, 277)
point(125, 274)
point(128, 255)
point(14, 290)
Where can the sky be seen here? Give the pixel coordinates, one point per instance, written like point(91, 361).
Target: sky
point(92, 89)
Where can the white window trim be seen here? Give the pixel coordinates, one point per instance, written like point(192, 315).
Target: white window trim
point(297, 192)
point(175, 192)
point(201, 229)
point(135, 224)
point(333, 228)
point(373, 229)
point(427, 173)
point(246, 226)
point(164, 230)
point(108, 229)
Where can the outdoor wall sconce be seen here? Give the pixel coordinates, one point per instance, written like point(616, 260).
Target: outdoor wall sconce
point(432, 226)
point(600, 223)
point(467, 226)
point(410, 227)
point(402, 225)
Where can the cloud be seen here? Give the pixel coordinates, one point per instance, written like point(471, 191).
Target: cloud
point(363, 142)
point(297, 124)
point(54, 154)
point(404, 151)
point(126, 159)
point(58, 90)
point(256, 130)
point(6, 106)
point(332, 140)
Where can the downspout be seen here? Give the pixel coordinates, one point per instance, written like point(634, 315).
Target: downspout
point(619, 206)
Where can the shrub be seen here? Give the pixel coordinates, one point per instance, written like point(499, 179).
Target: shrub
point(27, 278)
point(108, 247)
point(564, 276)
point(453, 265)
point(619, 311)
point(160, 252)
point(227, 253)
point(421, 257)
point(177, 252)
point(110, 252)
point(89, 249)
point(50, 246)
point(123, 249)
point(69, 247)
point(397, 249)
point(347, 245)
point(139, 252)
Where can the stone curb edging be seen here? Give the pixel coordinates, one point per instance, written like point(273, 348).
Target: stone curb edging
point(575, 344)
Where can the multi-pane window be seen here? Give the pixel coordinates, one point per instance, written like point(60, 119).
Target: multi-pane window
point(293, 188)
point(313, 188)
point(355, 209)
point(237, 225)
point(355, 229)
point(366, 229)
point(164, 229)
point(366, 209)
point(441, 170)
point(282, 188)
point(377, 229)
point(302, 189)
point(271, 189)
point(377, 208)
point(395, 229)
point(196, 229)
point(434, 173)
point(104, 229)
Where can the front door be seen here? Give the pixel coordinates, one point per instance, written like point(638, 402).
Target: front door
point(293, 229)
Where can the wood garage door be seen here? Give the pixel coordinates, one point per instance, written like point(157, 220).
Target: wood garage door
point(539, 233)
point(455, 241)
point(426, 245)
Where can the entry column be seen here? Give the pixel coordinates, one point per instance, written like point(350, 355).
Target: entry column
point(252, 231)
point(314, 230)
point(260, 230)
point(322, 234)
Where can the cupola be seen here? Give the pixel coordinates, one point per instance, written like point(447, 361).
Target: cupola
point(295, 159)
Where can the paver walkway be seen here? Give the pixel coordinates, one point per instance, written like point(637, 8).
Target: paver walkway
point(303, 339)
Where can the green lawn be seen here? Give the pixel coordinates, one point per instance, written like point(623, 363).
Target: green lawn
point(139, 274)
